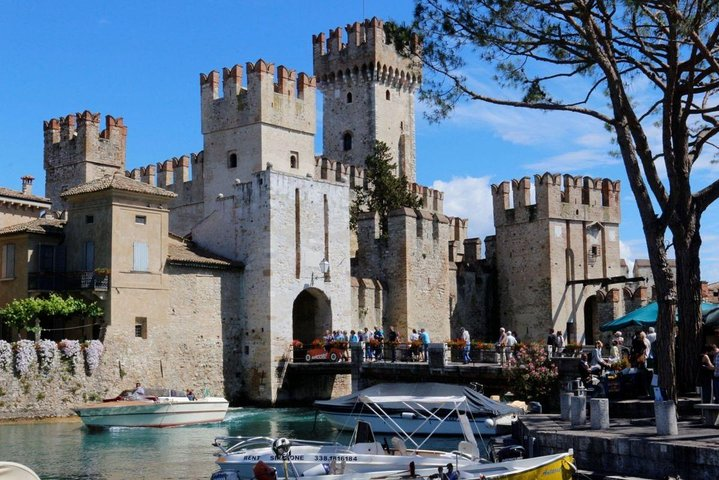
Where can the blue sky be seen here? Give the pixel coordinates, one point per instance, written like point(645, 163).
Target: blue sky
point(141, 61)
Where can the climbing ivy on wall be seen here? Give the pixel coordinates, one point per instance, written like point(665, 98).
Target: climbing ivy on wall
point(27, 313)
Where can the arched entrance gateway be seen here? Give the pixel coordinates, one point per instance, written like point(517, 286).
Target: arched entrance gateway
point(311, 315)
point(590, 319)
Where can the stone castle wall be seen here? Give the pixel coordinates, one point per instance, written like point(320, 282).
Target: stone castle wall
point(570, 233)
point(183, 353)
point(368, 94)
point(76, 151)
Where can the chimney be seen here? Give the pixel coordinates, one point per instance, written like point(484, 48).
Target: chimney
point(27, 184)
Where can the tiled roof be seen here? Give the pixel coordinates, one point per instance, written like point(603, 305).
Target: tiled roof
point(6, 192)
point(43, 226)
point(117, 181)
point(187, 253)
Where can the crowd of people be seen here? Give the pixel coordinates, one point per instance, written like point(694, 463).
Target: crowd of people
point(377, 345)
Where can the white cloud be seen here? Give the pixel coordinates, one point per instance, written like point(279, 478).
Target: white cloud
point(578, 160)
point(471, 198)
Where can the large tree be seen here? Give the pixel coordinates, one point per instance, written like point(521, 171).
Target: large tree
point(607, 49)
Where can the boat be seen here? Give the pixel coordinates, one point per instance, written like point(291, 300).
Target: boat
point(158, 408)
point(16, 471)
point(264, 458)
point(414, 414)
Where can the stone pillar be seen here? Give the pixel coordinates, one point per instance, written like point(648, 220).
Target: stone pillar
point(436, 356)
point(665, 413)
point(599, 410)
point(565, 402)
point(357, 358)
point(578, 414)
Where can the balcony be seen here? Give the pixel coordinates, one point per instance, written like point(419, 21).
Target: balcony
point(68, 281)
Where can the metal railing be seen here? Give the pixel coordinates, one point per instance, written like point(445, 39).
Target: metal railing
point(64, 281)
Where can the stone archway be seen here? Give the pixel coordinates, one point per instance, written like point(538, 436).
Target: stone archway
point(590, 319)
point(311, 315)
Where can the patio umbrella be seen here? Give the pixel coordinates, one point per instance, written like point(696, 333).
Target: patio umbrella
point(646, 316)
point(711, 317)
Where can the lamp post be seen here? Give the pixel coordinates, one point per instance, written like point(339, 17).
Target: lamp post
point(325, 269)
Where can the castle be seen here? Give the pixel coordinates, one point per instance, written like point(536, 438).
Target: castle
point(208, 265)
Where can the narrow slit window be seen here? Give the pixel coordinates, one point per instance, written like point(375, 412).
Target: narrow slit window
point(349, 97)
point(232, 160)
point(347, 142)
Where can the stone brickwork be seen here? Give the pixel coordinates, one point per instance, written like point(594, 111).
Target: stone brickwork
point(280, 227)
point(368, 95)
point(413, 261)
point(76, 151)
point(570, 234)
point(246, 129)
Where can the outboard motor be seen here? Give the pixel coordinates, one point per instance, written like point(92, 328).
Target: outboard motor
point(512, 452)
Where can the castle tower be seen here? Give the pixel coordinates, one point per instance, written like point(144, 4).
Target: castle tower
point(568, 239)
point(77, 152)
point(268, 123)
point(368, 95)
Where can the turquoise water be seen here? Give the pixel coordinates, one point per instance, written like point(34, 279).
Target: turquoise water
point(70, 451)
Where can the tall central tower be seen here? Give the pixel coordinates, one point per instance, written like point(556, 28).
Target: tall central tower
point(368, 95)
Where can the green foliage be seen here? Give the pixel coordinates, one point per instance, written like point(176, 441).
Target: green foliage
point(385, 191)
point(27, 313)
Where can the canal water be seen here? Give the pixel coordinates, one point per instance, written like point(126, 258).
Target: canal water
point(67, 450)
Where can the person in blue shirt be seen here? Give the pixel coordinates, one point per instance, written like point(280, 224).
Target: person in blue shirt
point(424, 336)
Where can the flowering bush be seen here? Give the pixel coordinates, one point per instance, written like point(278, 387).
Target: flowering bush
point(318, 343)
point(46, 351)
point(340, 344)
point(297, 344)
point(532, 375)
point(70, 349)
point(480, 345)
point(572, 348)
point(457, 343)
point(93, 352)
point(25, 356)
point(5, 355)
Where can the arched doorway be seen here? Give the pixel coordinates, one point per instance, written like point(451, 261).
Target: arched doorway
point(311, 315)
point(590, 319)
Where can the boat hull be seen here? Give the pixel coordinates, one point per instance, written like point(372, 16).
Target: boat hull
point(170, 412)
point(418, 426)
point(549, 467)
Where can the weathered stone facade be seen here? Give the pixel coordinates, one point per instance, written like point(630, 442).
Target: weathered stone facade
point(568, 239)
point(264, 213)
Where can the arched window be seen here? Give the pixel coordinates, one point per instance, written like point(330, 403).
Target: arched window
point(387, 95)
point(347, 141)
point(232, 160)
point(293, 160)
point(349, 97)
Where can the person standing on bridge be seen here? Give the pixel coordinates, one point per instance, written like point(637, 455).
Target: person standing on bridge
point(467, 345)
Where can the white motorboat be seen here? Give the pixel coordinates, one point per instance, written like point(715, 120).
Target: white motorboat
point(164, 410)
point(414, 414)
point(364, 454)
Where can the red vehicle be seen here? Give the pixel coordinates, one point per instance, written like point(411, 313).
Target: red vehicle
point(320, 354)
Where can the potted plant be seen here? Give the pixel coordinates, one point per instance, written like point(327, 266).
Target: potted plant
point(572, 349)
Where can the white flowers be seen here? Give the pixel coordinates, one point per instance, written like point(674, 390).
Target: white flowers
point(44, 352)
point(25, 356)
point(47, 351)
point(93, 352)
point(5, 355)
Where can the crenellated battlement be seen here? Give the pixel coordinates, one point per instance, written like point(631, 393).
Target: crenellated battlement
point(432, 200)
point(76, 136)
point(289, 101)
point(327, 169)
point(76, 151)
point(557, 197)
point(367, 55)
point(171, 174)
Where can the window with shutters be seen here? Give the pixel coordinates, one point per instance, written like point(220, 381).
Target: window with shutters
point(140, 257)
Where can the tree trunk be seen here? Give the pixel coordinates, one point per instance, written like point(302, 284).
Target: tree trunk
point(666, 325)
point(687, 242)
